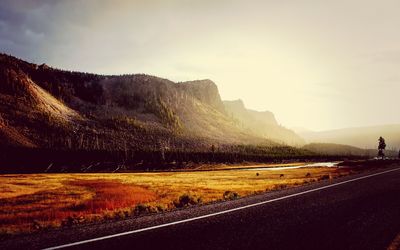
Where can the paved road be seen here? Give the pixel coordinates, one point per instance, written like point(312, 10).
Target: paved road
point(360, 214)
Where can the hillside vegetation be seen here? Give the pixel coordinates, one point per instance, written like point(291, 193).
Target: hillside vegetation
point(97, 111)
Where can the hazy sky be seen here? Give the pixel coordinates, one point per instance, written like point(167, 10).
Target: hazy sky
point(315, 64)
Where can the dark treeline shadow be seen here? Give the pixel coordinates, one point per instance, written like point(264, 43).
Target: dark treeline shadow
point(40, 160)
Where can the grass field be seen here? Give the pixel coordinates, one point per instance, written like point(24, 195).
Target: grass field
point(32, 202)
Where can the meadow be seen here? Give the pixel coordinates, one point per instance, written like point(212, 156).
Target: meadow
point(32, 202)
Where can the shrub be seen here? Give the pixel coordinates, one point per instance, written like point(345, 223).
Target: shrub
point(324, 177)
point(121, 214)
point(143, 209)
point(161, 208)
point(230, 195)
point(283, 186)
point(187, 200)
point(308, 175)
point(277, 187)
point(72, 220)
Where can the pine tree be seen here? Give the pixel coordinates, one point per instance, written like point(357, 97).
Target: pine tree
point(381, 147)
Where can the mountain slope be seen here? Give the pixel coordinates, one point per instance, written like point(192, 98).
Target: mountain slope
point(47, 107)
point(261, 124)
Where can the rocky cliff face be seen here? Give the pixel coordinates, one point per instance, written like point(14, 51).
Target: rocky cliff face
point(205, 91)
point(261, 123)
point(237, 109)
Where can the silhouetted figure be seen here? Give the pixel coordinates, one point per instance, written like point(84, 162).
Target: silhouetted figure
point(399, 154)
point(381, 147)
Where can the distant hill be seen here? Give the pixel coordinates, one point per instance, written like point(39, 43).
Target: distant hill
point(44, 107)
point(261, 124)
point(362, 137)
point(340, 149)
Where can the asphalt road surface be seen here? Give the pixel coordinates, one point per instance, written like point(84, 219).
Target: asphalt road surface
point(357, 212)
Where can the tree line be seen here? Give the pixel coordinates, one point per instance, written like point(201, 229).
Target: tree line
point(59, 160)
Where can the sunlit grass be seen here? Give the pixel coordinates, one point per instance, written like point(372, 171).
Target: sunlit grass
point(32, 202)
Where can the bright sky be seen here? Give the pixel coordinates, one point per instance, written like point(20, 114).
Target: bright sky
point(315, 64)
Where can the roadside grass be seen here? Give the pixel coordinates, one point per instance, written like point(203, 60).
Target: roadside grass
point(76, 201)
point(36, 201)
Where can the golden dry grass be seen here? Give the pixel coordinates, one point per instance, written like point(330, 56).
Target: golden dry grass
point(31, 202)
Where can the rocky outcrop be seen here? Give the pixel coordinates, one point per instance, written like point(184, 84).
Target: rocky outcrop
point(261, 123)
point(237, 109)
point(206, 91)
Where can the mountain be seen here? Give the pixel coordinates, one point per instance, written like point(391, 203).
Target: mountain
point(261, 124)
point(362, 137)
point(338, 149)
point(44, 107)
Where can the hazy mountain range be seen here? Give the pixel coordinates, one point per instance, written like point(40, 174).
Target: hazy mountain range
point(361, 137)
